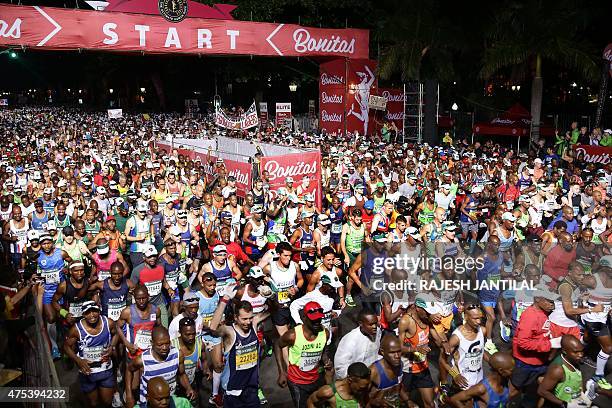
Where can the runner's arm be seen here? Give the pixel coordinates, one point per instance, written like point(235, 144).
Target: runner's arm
point(320, 397)
point(461, 399)
point(554, 375)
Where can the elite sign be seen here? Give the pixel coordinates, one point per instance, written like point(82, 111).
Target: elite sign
point(63, 29)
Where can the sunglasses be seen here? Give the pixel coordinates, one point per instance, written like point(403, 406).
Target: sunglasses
point(315, 310)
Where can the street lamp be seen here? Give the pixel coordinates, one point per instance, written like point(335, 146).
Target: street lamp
point(293, 87)
point(518, 87)
point(455, 107)
point(143, 90)
point(13, 54)
point(111, 90)
point(514, 87)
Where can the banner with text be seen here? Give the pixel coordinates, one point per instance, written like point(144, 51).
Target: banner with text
point(305, 168)
point(70, 29)
point(395, 105)
point(115, 113)
point(283, 114)
point(332, 94)
point(263, 113)
point(245, 121)
point(593, 154)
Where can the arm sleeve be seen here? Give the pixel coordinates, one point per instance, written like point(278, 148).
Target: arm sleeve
point(295, 308)
point(342, 359)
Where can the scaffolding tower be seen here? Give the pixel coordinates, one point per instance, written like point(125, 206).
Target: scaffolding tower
point(413, 112)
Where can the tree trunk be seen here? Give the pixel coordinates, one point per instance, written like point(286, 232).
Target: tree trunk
point(537, 87)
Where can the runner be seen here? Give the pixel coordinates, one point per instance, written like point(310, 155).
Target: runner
point(95, 338)
point(190, 348)
point(350, 392)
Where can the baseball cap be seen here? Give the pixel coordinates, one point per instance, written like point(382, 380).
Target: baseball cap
point(449, 226)
point(257, 209)
point(51, 226)
point(508, 216)
point(426, 302)
point(380, 184)
point(102, 249)
point(44, 237)
point(33, 235)
point(89, 305)
point(255, 272)
point(543, 292)
point(333, 281)
point(225, 214)
point(323, 219)
point(414, 233)
point(369, 205)
point(219, 249)
point(308, 197)
point(190, 298)
point(110, 218)
point(75, 265)
point(289, 180)
point(445, 186)
point(181, 214)
point(313, 311)
point(150, 251)
point(168, 200)
point(142, 206)
point(477, 189)
point(524, 197)
point(307, 214)
point(48, 190)
point(605, 261)
point(101, 190)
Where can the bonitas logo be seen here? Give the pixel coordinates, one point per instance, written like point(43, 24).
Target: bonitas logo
point(399, 97)
point(304, 43)
point(275, 170)
point(334, 98)
point(331, 79)
point(330, 117)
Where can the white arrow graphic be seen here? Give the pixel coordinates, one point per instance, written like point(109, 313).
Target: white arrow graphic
point(52, 21)
point(269, 39)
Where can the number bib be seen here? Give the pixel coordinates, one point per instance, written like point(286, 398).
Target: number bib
point(190, 370)
point(260, 242)
point(103, 275)
point(278, 228)
point(93, 354)
point(143, 339)
point(246, 356)
point(283, 296)
point(52, 277)
point(154, 287)
point(309, 360)
point(336, 228)
point(114, 310)
point(75, 309)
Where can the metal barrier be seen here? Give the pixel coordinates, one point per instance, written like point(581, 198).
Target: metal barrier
point(38, 367)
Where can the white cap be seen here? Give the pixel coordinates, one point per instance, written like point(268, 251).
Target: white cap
point(508, 216)
point(307, 214)
point(150, 251)
point(51, 225)
point(61, 183)
point(33, 235)
point(142, 206)
point(538, 160)
point(308, 197)
point(477, 189)
point(323, 219)
point(101, 190)
point(289, 180)
point(446, 186)
point(219, 249)
point(414, 233)
point(48, 190)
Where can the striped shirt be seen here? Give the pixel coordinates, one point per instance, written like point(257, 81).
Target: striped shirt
point(167, 369)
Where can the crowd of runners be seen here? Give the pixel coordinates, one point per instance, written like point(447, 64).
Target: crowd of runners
point(154, 281)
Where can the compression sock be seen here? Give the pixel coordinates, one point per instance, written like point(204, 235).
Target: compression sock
point(216, 382)
point(602, 359)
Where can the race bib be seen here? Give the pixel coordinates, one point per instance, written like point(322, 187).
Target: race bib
point(336, 228)
point(309, 360)
point(52, 278)
point(103, 275)
point(154, 287)
point(246, 356)
point(283, 296)
point(75, 309)
point(278, 228)
point(190, 370)
point(93, 354)
point(114, 310)
point(143, 339)
point(260, 242)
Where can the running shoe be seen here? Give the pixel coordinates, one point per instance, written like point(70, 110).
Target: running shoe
point(589, 361)
point(505, 332)
point(602, 382)
point(117, 403)
point(591, 389)
point(216, 400)
point(349, 301)
point(262, 398)
point(490, 347)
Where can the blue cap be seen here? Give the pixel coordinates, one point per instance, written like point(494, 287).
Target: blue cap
point(369, 205)
point(125, 205)
point(19, 169)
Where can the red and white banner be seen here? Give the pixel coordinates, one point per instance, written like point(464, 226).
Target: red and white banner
point(298, 166)
point(332, 95)
point(225, 121)
point(593, 154)
point(283, 113)
point(115, 113)
point(246, 120)
point(70, 29)
point(395, 105)
point(263, 113)
point(361, 83)
point(242, 171)
point(249, 118)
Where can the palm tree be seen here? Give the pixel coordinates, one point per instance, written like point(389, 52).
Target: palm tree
point(412, 33)
point(525, 35)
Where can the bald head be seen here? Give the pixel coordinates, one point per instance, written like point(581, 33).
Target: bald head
point(158, 393)
point(570, 343)
point(501, 360)
point(159, 332)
